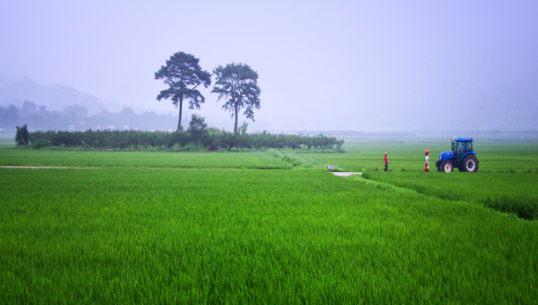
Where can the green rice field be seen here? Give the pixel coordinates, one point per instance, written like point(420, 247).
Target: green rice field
point(476, 187)
point(267, 227)
point(403, 155)
point(117, 159)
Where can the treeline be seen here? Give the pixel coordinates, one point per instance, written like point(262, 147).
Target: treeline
point(207, 139)
point(75, 117)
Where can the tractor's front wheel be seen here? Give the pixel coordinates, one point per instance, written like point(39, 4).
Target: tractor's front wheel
point(470, 164)
point(447, 166)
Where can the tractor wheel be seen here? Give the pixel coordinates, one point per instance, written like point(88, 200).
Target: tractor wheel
point(470, 164)
point(447, 166)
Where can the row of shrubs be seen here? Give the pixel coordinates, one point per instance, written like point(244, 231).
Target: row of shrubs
point(116, 139)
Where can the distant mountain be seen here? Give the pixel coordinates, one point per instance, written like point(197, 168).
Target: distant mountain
point(54, 97)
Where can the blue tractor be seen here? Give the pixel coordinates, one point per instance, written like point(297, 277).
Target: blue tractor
point(462, 157)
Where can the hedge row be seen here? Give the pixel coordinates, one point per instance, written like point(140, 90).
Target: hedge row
point(135, 139)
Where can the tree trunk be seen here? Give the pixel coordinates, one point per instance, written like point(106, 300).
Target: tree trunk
point(180, 113)
point(235, 127)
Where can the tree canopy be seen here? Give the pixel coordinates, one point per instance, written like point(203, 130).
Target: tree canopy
point(183, 75)
point(197, 127)
point(238, 83)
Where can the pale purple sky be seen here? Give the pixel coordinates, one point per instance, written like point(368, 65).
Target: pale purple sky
point(358, 65)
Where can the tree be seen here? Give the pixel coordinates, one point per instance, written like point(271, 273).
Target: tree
point(11, 116)
point(28, 108)
point(243, 128)
point(21, 137)
point(239, 84)
point(197, 127)
point(75, 110)
point(183, 75)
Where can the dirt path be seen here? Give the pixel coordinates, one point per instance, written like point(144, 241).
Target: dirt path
point(47, 167)
point(346, 174)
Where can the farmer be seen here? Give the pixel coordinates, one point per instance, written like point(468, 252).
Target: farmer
point(386, 163)
point(427, 163)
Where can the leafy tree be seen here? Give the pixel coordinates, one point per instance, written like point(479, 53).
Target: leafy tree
point(238, 83)
point(197, 127)
point(243, 128)
point(183, 75)
point(11, 115)
point(28, 108)
point(21, 137)
point(75, 110)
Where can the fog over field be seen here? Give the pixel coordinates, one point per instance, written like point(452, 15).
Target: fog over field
point(343, 65)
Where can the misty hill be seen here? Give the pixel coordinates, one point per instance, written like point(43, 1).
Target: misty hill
point(478, 114)
point(75, 118)
point(54, 97)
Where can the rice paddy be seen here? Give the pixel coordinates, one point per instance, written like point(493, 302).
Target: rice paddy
point(264, 228)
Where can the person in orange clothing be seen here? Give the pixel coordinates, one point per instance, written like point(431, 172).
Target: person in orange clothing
point(427, 163)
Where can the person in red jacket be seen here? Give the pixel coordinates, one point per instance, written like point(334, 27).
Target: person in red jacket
point(386, 163)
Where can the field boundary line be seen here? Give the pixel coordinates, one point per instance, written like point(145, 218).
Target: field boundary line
point(49, 167)
point(145, 168)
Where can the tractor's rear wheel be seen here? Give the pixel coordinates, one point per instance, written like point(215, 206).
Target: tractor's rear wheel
point(470, 164)
point(447, 166)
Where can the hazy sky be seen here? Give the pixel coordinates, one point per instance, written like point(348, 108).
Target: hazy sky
point(322, 64)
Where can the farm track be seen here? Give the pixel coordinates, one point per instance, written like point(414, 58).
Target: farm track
point(49, 167)
point(140, 168)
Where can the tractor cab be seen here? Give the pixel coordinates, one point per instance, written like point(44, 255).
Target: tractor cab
point(461, 156)
point(461, 147)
